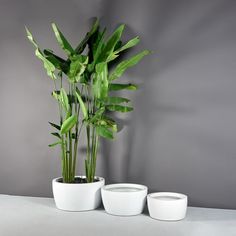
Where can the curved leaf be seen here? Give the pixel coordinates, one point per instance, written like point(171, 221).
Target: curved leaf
point(54, 144)
point(80, 48)
point(49, 67)
point(111, 43)
point(64, 99)
point(124, 65)
point(55, 126)
point(116, 87)
point(82, 105)
point(104, 132)
point(68, 124)
point(65, 45)
point(131, 43)
point(119, 108)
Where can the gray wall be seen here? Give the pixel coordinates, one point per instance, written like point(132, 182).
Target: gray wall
point(182, 134)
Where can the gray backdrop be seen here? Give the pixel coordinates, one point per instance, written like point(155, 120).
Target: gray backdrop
point(181, 136)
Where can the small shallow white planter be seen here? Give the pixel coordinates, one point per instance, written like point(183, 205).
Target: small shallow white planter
point(77, 196)
point(167, 206)
point(124, 199)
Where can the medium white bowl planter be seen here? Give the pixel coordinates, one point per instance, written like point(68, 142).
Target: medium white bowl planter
point(124, 199)
point(77, 196)
point(167, 206)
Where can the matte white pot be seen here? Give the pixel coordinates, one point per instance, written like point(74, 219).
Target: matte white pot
point(77, 196)
point(124, 199)
point(167, 206)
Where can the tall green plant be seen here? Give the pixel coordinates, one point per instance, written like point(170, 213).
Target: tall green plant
point(82, 86)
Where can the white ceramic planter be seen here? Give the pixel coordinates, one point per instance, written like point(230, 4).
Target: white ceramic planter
point(124, 199)
point(167, 206)
point(77, 196)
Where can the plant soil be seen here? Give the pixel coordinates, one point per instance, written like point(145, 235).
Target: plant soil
point(78, 180)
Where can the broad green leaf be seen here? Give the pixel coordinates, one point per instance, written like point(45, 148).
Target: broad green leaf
point(55, 126)
point(104, 132)
point(77, 67)
point(97, 115)
point(68, 124)
point(54, 144)
point(110, 123)
point(98, 47)
point(100, 81)
point(65, 45)
point(121, 68)
point(58, 62)
point(131, 43)
point(56, 135)
point(119, 108)
point(82, 105)
point(50, 68)
point(111, 43)
point(64, 99)
point(116, 87)
point(115, 100)
point(80, 48)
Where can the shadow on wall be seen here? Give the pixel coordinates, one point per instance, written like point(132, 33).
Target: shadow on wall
point(174, 31)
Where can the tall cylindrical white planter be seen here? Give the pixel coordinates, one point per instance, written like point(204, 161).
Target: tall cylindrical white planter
point(124, 199)
point(77, 196)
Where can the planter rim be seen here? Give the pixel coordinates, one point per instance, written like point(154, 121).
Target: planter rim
point(100, 179)
point(139, 187)
point(179, 196)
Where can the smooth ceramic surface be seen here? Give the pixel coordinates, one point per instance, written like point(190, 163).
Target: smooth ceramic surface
point(77, 197)
point(167, 206)
point(124, 199)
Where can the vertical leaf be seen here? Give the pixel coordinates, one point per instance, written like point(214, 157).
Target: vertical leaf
point(65, 45)
point(82, 105)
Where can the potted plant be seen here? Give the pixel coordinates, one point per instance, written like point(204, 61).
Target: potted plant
point(82, 83)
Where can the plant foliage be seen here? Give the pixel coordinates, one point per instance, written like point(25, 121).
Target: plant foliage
point(82, 86)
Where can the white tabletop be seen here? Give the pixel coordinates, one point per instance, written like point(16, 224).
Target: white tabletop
point(31, 216)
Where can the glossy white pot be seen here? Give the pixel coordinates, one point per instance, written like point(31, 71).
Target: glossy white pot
point(124, 199)
point(77, 196)
point(167, 206)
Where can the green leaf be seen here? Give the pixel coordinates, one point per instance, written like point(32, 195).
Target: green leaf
point(82, 105)
point(58, 62)
point(121, 68)
point(111, 43)
point(55, 126)
point(64, 99)
point(80, 48)
point(119, 108)
point(97, 115)
point(104, 132)
point(54, 144)
point(131, 43)
point(49, 67)
point(116, 87)
point(62, 41)
point(100, 81)
point(77, 67)
point(68, 124)
point(56, 135)
point(115, 100)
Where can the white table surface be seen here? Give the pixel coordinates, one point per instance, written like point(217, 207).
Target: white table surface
point(30, 216)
